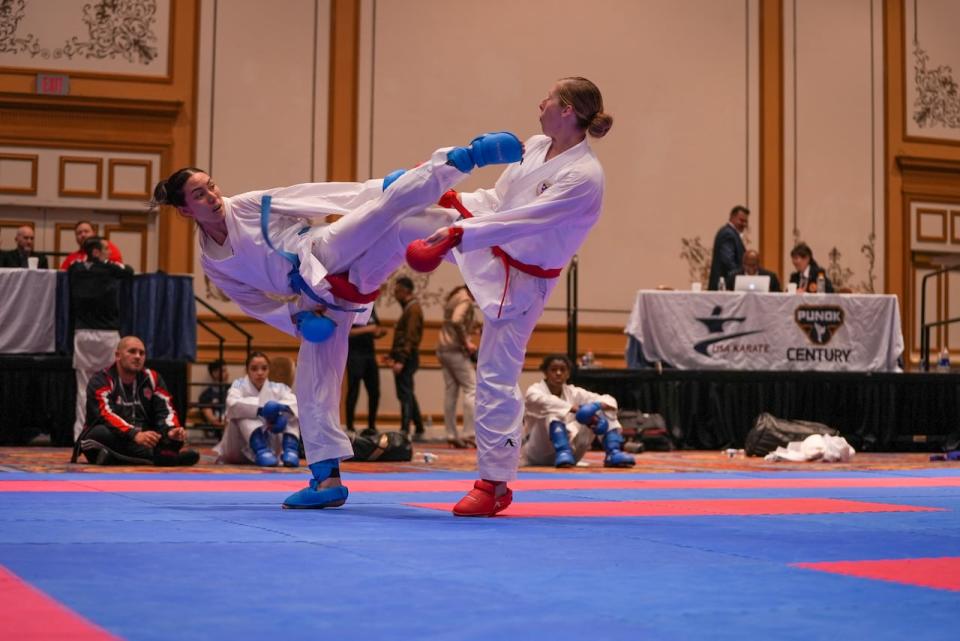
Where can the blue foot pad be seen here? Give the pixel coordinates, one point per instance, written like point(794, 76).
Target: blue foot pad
point(312, 498)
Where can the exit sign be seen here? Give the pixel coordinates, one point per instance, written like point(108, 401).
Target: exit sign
point(53, 85)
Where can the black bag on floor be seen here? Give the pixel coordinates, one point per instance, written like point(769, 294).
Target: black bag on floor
point(648, 429)
point(770, 432)
point(388, 446)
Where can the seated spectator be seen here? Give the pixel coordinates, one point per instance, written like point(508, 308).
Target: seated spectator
point(261, 419)
point(807, 270)
point(20, 255)
point(130, 415)
point(84, 230)
point(212, 403)
point(560, 421)
point(95, 316)
point(751, 267)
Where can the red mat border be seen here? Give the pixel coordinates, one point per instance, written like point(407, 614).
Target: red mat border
point(28, 614)
point(693, 507)
point(939, 573)
point(462, 485)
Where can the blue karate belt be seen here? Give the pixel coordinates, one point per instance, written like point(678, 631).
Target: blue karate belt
point(294, 278)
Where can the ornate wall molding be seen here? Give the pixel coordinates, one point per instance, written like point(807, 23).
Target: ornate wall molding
point(101, 37)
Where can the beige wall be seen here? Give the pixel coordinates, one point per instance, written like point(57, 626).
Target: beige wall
point(680, 79)
point(833, 143)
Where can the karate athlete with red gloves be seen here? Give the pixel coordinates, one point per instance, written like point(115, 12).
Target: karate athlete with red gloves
point(511, 246)
point(332, 269)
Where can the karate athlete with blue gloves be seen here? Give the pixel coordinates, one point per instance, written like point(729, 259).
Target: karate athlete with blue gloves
point(511, 244)
point(560, 421)
point(285, 261)
point(261, 420)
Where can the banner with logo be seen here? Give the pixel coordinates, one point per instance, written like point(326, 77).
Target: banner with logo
point(751, 331)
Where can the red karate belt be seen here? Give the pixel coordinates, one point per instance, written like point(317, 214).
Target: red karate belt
point(450, 201)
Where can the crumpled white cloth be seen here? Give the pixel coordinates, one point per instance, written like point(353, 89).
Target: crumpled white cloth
point(817, 447)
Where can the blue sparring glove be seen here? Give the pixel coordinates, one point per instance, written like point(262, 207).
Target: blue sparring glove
point(271, 411)
point(493, 148)
point(390, 178)
point(279, 425)
point(313, 328)
point(587, 411)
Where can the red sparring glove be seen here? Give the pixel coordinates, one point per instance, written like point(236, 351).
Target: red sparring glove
point(425, 255)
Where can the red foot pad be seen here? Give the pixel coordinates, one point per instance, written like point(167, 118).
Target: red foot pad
point(480, 501)
point(938, 573)
point(426, 257)
point(343, 288)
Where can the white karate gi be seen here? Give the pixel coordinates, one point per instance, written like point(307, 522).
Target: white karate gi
point(363, 243)
point(243, 401)
point(541, 408)
point(539, 213)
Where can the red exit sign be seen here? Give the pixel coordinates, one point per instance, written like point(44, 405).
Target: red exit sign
point(53, 85)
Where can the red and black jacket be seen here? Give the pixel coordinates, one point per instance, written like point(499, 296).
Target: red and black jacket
point(147, 405)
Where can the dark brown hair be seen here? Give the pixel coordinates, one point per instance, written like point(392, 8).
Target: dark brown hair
point(170, 191)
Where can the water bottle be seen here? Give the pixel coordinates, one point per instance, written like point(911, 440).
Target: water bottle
point(821, 283)
point(586, 361)
point(722, 285)
point(943, 363)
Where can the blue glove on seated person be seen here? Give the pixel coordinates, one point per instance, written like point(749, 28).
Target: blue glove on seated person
point(591, 415)
point(279, 425)
point(271, 411)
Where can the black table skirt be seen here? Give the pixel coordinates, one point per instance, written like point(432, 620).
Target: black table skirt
point(713, 410)
point(38, 396)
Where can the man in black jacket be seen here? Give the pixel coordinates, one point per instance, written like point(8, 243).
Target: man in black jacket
point(130, 415)
point(728, 246)
point(95, 285)
point(20, 255)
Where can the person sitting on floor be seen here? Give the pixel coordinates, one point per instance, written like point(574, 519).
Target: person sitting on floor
point(211, 399)
point(261, 419)
point(560, 421)
point(130, 415)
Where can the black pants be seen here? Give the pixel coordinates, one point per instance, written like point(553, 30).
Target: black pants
point(119, 444)
point(409, 408)
point(362, 367)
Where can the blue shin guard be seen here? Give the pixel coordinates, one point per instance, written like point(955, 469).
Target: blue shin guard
point(561, 444)
point(616, 457)
point(263, 455)
point(291, 451)
point(391, 178)
point(313, 497)
point(488, 149)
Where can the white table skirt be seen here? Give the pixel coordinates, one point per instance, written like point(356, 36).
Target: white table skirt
point(27, 311)
point(751, 331)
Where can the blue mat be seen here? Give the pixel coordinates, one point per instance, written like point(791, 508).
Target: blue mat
point(231, 566)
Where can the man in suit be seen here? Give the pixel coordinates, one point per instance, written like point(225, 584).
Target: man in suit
point(19, 256)
point(751, 267)
point(807, 270)
point(728, 246)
